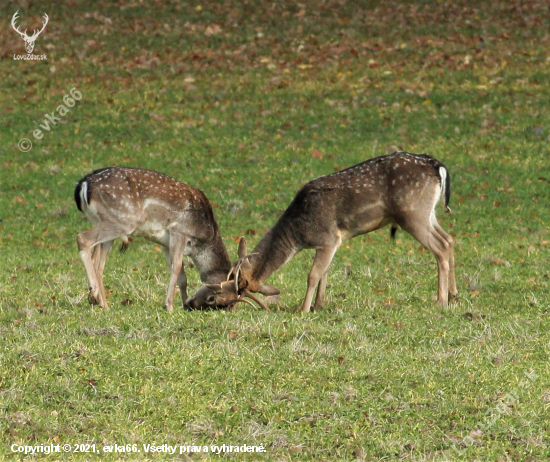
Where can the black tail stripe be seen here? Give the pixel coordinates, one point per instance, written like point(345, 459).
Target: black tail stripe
point(437, 165)
point(447, 188)
point(78, 188)
point(77, 197)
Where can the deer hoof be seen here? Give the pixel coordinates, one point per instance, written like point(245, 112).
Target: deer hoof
point(93, 299)
point(453, 298)
point(169, 308)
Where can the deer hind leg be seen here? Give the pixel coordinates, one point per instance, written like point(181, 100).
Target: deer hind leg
point(99, 256)
point(174, 255)
point(320, 297)
point(448, 243)
point(87, 242)
point(425, 232)
point(318, 272)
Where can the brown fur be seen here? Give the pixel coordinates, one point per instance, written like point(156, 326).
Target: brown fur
point(124, 201)
point(401, 189)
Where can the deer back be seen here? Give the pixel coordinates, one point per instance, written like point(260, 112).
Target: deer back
point(147, 203)
point(365, 197)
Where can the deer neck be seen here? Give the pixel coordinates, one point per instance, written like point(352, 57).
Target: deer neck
point(274, 249)
point(212, 261)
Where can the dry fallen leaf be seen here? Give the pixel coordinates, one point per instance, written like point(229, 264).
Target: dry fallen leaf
point(476, 434)
point(19, 200)
point(500, 261)
point(213, 29)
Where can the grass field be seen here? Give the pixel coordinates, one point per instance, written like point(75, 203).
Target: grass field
point(247, 101)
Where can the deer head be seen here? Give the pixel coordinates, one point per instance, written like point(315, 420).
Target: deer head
point(239, 284)
point(29, 41)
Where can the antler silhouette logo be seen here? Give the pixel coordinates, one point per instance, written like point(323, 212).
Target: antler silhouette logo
point(29, 41)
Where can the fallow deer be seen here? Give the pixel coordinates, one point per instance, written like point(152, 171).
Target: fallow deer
point(401, 189)
point(124, 201)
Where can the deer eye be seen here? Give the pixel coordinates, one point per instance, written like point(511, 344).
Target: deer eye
point(211, 299)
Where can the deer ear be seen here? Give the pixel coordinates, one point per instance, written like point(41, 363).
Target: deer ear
point(215, 287)
point(242, 248)
point(268, 289)
point(227, 286)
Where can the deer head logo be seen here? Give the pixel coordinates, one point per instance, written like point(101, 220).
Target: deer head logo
point(29, 41)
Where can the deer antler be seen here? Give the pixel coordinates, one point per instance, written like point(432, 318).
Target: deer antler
point(249, 294)
point(259, 301)
point(243, 301)
point(237, 268)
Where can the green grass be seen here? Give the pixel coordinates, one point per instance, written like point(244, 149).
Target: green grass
point(232, 98)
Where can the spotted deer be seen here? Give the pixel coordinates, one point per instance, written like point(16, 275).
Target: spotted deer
point(401, 189)
point(124, 201)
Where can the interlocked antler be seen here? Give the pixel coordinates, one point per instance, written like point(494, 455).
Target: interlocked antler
point(228, 296)
point(235, 270)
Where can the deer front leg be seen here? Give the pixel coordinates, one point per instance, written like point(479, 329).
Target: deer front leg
point(321, 262)
point(182, 284)
point(174, 255)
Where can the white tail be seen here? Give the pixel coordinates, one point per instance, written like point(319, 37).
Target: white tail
point(123, 201)
point(401, 189)
point(29, 41)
